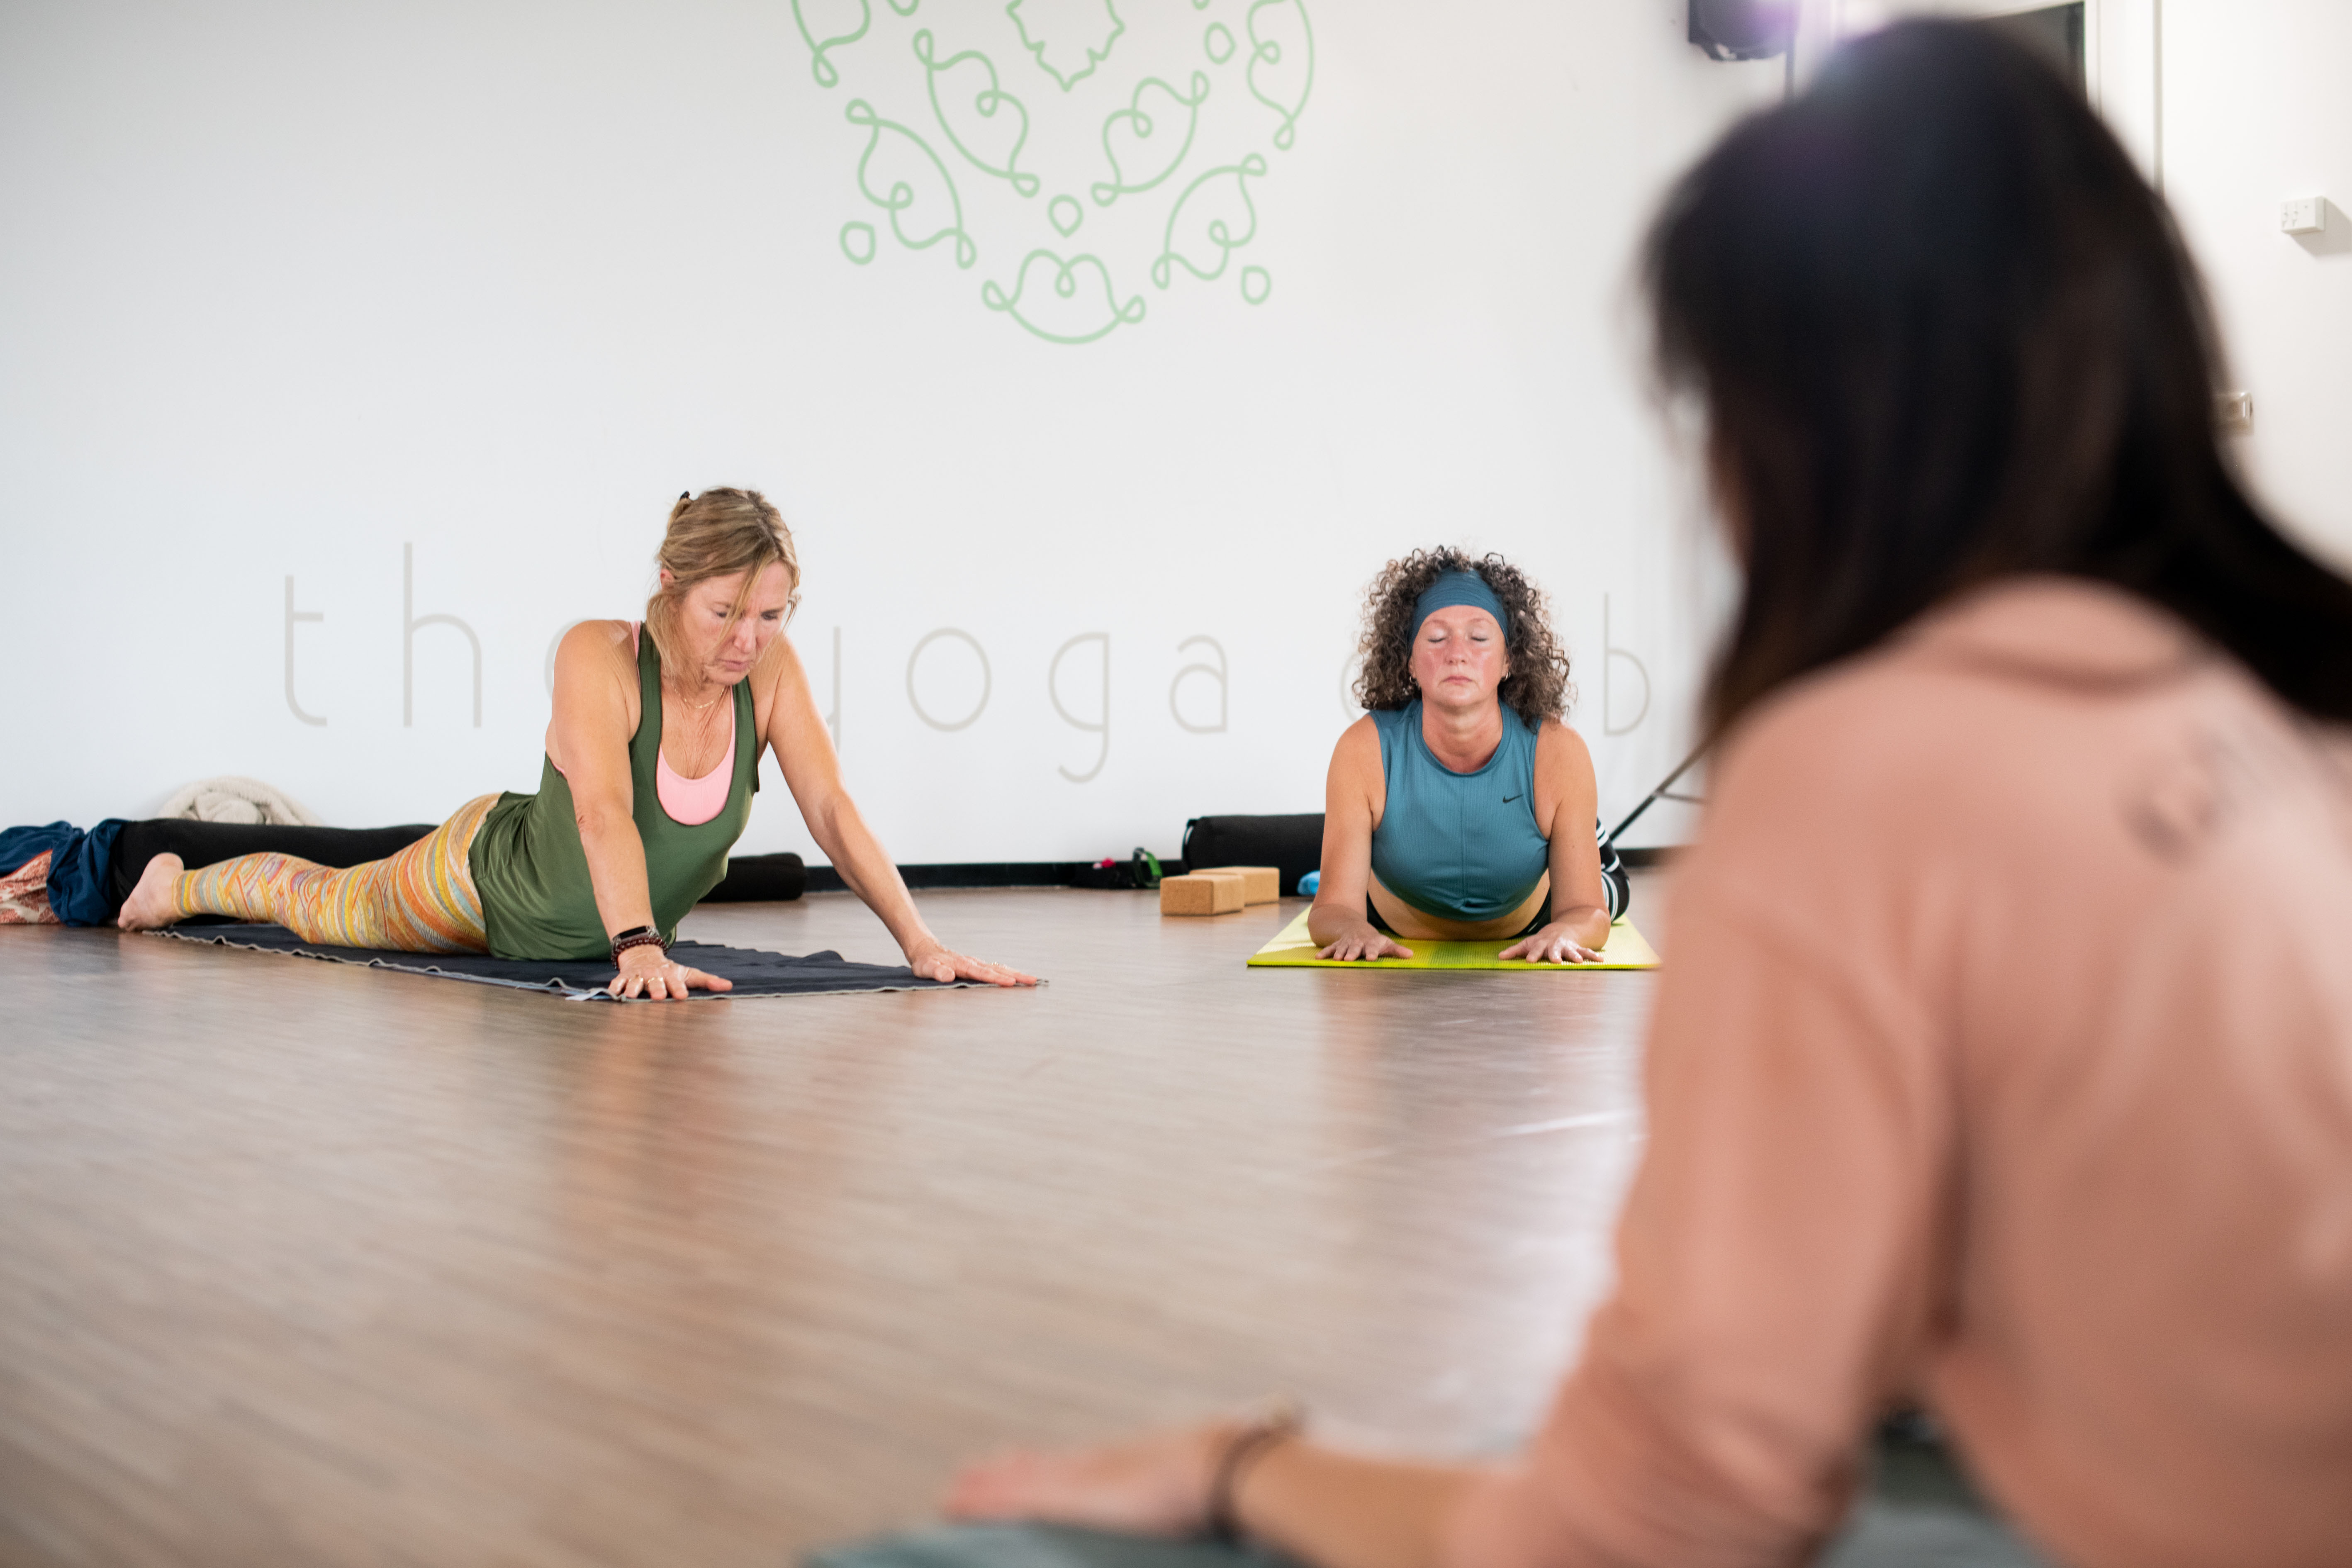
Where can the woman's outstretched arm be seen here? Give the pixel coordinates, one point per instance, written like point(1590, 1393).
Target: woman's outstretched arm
point(804, 748)
point(1579, 927)
point(1352, 794)
point(588, 739)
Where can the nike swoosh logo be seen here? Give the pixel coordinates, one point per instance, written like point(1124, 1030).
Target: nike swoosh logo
point(1508, 798)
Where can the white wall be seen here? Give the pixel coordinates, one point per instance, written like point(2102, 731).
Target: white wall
point(288, 291)
point(2257, 111)
point(2233, 107)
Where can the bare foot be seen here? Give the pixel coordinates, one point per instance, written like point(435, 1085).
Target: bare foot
point(150, 903)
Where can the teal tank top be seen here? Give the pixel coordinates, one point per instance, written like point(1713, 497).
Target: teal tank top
point(532, 874)
point(1463, 847)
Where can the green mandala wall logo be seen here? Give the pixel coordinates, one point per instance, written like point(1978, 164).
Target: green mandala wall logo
point(1076, 158)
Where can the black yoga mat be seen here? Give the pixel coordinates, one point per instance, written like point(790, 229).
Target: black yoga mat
point(754, 972)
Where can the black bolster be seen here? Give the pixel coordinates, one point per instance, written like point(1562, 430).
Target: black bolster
point(758, 879)
point(1293, 845)
point(204, 844)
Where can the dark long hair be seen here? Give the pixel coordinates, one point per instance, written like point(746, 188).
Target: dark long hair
point(1945, 332)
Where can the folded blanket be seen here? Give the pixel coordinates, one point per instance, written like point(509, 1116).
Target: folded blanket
point(234, 798)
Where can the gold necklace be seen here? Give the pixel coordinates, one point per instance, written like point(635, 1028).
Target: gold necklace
point(698, 722)
point(699, 707)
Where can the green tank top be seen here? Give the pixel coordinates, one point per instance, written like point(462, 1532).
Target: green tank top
point(532, 874)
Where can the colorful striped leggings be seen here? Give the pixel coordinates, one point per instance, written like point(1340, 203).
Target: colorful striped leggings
point(419, 901)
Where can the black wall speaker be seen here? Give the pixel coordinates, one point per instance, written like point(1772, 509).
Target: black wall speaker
point(1743, 29)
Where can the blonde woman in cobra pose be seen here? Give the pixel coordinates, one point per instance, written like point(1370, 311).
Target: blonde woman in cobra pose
point(653, 757)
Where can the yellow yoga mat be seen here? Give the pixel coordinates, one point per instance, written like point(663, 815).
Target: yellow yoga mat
point(1292, 948)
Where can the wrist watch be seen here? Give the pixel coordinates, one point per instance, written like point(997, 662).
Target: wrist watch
point(636, 936)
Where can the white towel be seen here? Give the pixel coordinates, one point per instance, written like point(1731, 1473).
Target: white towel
point(233, 799)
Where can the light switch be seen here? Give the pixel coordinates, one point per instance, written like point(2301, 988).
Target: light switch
point(2234, 411)
point(2308, 215)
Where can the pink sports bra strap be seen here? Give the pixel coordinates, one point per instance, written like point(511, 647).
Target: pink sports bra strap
point(689, 801)
point(693, 802)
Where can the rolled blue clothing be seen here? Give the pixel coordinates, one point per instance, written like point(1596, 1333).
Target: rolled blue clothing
point(1461, 588)
point(20, 845)
point(1310, 883)
point(1461, 846)
point(78, 866)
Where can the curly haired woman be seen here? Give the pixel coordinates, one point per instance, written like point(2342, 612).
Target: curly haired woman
point(1456, 807)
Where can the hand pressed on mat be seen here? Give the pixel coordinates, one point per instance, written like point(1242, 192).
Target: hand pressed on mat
point(1155, 1484)
point(934, 960)
point(1316, 1504)
point(1362, 942)
point(648, 972)
point(1558, 942)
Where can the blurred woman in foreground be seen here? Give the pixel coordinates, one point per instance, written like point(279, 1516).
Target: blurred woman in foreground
point(2041, 1112)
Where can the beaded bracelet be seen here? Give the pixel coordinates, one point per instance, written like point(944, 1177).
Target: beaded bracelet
point(1245, 1449)
point(641, 936)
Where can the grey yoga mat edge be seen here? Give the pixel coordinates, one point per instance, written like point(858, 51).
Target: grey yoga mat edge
point(1035, 1546)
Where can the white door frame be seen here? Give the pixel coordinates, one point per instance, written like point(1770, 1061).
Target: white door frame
point(2122, 55)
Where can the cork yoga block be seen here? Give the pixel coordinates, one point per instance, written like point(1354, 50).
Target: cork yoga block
point(1201, 893)
point(1260, 884)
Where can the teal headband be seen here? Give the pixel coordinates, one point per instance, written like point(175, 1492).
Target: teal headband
point(1459, 588)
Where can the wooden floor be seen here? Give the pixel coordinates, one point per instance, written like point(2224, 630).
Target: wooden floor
point(303, 1263)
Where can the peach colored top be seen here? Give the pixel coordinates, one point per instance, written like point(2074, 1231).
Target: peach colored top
point(2004, 1057)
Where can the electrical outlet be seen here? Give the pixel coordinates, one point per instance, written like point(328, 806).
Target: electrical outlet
point(2308, 215)
point(2234, 411)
